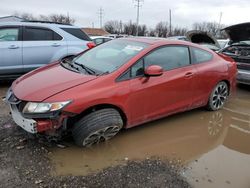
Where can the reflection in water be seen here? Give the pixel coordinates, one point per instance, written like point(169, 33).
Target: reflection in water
point(187, 136)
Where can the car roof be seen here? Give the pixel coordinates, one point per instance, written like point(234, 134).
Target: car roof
point(164, 41)
point(37, 24)
point(154, 40)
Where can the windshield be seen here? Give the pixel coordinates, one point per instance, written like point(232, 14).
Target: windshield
point(108, 57)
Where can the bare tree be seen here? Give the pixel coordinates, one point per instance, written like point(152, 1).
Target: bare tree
point(142, 30)
point(130, 28)
point(178, 31)
point(162, 29)
point(114, 27)
point(25, 16)
point(59, 18)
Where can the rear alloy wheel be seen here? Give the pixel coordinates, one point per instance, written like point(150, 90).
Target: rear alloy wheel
point(97, 127)
point(218, 96)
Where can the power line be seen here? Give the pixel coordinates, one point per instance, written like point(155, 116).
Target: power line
point(100, 13)
point(138, 6)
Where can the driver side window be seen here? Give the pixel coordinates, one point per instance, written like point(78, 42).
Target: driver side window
point(169, 57)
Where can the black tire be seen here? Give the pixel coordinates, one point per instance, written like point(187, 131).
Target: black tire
point(218, 96)
point(97, 126)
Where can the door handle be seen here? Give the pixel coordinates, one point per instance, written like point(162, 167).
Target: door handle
point(189, 74)
point(13, 47)
point(55, 45)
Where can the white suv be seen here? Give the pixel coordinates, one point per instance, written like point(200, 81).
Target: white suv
point(25, 46)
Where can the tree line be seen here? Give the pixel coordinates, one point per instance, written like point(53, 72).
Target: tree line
point(58, 18)
point(162, 29)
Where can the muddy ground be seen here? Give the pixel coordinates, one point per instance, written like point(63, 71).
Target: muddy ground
point(25, 162)
point(209, 149)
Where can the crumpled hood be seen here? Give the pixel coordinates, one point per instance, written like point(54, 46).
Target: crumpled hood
point(239, 32)
point(44, 82)
point(202, 37)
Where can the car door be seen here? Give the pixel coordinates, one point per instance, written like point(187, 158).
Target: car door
point(207, 75)
point(10, 51)
point(153, 97)
point(41, 46)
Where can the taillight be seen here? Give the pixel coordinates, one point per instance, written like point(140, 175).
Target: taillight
point(91, 45)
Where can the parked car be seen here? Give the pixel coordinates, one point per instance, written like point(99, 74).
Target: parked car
point(116, 36)
point(120, 84)
point(239, 49)
point(25, 46)
point(178, 38)
point(100, 39)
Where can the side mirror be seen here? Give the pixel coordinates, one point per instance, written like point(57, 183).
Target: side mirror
point(153, 70)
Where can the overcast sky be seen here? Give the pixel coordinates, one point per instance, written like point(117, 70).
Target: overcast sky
point(184, 12)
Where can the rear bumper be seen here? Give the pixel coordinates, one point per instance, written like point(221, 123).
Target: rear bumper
point(243, 76)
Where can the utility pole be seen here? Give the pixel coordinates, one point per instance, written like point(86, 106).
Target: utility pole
point(138, 6)
point(219, 24)
point(170, 22)
point(100, 13)
point(220, 19)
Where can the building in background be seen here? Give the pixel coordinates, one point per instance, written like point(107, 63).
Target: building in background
point(95, 31)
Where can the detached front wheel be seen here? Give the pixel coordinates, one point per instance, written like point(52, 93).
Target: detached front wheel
point(218, 96)
point(97, 127)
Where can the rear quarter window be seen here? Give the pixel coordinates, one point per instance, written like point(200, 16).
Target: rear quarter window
point(40, 34)
point(200, 56)
point(78, 33)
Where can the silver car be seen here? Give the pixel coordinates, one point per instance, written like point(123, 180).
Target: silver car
point(25, 46)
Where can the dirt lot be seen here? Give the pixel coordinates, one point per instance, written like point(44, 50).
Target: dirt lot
point(210, 149)
point(25, 163)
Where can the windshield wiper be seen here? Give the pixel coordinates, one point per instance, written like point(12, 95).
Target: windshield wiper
point(103, 73)
point(70, 65)
point(87, 69)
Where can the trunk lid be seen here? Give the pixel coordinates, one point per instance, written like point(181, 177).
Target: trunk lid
point(203, 38)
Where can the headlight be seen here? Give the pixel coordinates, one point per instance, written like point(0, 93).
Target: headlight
point(32, 107)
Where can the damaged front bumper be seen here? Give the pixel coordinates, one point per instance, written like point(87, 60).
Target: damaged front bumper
point(36, 124)
point(28, 125)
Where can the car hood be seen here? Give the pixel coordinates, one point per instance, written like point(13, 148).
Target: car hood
point(203, 38)
point(47, 81)
point(239, 32)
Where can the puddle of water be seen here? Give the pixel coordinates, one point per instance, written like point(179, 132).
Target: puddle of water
point(221, 167)
point(218, 140)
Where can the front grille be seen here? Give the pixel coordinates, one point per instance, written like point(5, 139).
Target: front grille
point(241, 60)
point(243, 67)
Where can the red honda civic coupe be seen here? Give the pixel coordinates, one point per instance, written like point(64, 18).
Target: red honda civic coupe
point(120, 84)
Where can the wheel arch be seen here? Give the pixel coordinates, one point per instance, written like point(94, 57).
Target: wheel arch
point(228, 85)
point(87, 111)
